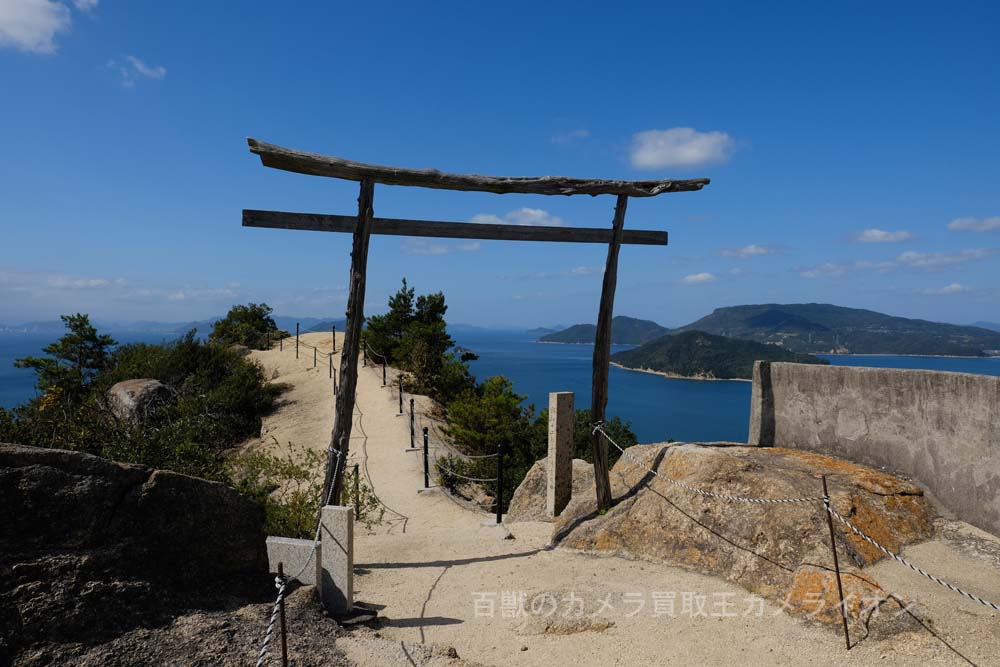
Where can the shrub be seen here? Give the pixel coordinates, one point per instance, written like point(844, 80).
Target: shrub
point(250, 325)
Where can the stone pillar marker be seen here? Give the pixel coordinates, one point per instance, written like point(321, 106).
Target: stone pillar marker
point(559, 466)
point(337, 553)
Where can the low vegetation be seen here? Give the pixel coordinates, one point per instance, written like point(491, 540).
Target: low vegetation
point(250, 325)
point(481, 416)
point(215, 399)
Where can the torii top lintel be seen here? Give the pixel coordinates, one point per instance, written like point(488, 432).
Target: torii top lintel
point(314, 164)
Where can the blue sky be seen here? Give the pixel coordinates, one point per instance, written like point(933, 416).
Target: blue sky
point(853, 153)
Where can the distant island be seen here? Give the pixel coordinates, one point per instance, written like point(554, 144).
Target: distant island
point(816, 328)
point(624, 331)
point(695, 354)
point(819, 327)
point(992, 326)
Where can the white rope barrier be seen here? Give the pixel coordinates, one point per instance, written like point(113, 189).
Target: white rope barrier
point(598, 428)
point(279, 583)
point(902, 561)
point(826, 504)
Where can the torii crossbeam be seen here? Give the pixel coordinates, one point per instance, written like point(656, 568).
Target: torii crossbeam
point(365, 224)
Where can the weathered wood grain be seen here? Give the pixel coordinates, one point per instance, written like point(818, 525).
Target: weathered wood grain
point(454, 230)
point(314, 164)
point(602, 355)
point(343, 419)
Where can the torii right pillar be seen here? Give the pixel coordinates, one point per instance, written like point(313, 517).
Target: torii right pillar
point(602, 357)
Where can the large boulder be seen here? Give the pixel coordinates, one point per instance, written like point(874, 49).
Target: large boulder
point(134, 399)
point(90, 548)
point(780, 551)
point(528, 501)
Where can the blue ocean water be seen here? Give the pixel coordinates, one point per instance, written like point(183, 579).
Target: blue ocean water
point(658, 408)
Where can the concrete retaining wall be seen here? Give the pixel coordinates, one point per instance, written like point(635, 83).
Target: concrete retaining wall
point(941, 429)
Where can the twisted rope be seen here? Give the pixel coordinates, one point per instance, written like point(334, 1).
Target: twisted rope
point(902, 561)
point(279, 583)
point(598, 428)
point(460, 476)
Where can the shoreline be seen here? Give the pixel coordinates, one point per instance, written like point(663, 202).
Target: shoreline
point(885, 354)
point(676, 376)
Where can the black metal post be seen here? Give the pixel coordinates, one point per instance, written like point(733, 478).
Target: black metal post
point(427, 472)
point(296, 340)
point(284, 630)
point(400, 394)
point(499, 498)
point(412, 431)
point(357, 493)
point(383, 372)
point(836, 564)
point(314, 357)
point(333, 336)
point(281, 344)
point(330, 360)
point(364, 355)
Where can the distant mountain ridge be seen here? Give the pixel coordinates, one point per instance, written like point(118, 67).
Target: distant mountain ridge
point(820, 327)
point(696, 354)
point(992, 326)
point(624, 331)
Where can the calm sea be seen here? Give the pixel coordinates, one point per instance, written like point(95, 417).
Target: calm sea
point(658, 408)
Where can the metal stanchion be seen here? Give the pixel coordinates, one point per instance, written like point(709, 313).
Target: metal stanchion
point(499, 498)
point(427, 474)
point(836, 564)
point(284, 630)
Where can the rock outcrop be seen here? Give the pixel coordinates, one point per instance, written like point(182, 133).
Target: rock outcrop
point(133, 399)
point(779, 551)
point(528, 501)
point(90, 548)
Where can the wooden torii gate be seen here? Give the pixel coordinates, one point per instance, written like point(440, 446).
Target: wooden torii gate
point(365, 224)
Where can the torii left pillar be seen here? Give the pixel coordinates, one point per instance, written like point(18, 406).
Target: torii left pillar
point(343, 419)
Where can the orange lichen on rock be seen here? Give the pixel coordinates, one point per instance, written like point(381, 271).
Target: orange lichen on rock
point(766, 548)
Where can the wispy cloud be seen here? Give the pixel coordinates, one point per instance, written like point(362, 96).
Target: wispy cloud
point(752, 250)
point(953, 288)
point(698, 278)
point(975, 224)
point(32, 25)
point(521, 216)
point(937, 260)
point(575, 272)
point(680, 147)
point(425, 247)
point(85, 5)
point(882, 236)
point(133, 69)
point(571, 137)
point(824, 270)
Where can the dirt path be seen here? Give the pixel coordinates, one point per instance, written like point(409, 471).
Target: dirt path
point(441, 576)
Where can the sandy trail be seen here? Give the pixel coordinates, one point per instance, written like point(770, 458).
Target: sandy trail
point(441, 576)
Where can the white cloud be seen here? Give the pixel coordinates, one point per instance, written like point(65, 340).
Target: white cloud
point(85, 5)
point(133, 69)
point(680, 147)
point(953, 288)
point(583, 271)
point(698, 278)
point(752, 250)
point(975, 224)
point(824, 270)
point(571, 137)
point(425, 247)
point(61, 282)
point(936, 260)
point(533, 217)
point(32, 25)
point(882, 236)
